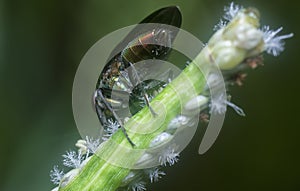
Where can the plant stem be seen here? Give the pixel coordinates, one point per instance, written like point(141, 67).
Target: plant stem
point(98, 174)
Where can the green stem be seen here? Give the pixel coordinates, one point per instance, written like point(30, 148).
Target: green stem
point(101, 175)
point(98, 174)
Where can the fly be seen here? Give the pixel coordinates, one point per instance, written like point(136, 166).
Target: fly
point(139, 47)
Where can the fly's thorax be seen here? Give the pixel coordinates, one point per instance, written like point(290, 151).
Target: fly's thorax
point(111, 73)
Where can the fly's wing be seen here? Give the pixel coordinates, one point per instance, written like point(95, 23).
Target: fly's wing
point(166, 16)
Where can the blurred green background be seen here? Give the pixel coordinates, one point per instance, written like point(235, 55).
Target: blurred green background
point(41, 45)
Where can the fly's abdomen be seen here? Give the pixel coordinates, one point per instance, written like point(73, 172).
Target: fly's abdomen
point(153, 45)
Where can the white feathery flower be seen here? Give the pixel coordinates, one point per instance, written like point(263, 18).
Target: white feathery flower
point(231, 11)
point(236, 108)
point(92, 144)
point(56, 175)
point(168, 156)
point(221, 24)
point(82, 148)
point(111, 128)
point(274, 44)
point(72, 159)
point(137, 186)
point(155, 174)
point(218, 105)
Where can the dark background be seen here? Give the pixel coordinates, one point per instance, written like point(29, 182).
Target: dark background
point(41, 45)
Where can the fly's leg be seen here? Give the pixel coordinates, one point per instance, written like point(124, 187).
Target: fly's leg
point(148, 103)
point(98, 109)
point(146, 97)
point(99, 97)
